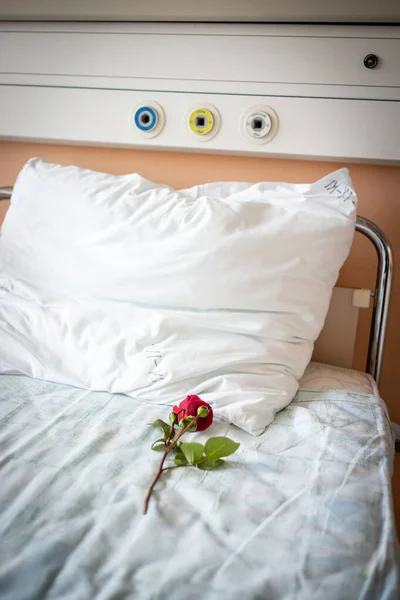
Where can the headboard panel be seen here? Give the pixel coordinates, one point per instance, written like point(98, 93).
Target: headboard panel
point(304, 91)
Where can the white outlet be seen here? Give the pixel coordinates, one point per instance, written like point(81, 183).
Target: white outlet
point(259, 124)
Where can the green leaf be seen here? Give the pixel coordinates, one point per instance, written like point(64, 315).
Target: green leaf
point(192, 451)
point(217, 447)
point(158, 445)
point(180, 459)
point(160, 424)
point(158, 448)
point(208, 465)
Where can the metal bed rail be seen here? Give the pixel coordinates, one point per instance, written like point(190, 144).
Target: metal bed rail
point(381, 294)
point(5, 193)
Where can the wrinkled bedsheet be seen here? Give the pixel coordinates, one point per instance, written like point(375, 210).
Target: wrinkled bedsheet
point(302, 512)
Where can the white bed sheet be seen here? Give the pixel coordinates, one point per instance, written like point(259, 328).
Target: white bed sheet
point(302, 512)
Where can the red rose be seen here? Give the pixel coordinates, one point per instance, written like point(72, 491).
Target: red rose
point(189, 407)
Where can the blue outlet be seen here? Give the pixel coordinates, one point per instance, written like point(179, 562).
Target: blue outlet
point(146, 118)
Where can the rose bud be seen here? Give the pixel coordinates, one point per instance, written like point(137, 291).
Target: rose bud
point(186, 421)
point(202, 412)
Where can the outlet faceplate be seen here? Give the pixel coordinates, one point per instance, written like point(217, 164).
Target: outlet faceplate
point(203, 121)
point(148, 119)
point(259, 124)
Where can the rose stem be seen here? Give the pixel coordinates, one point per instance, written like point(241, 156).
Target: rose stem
point(164, 456)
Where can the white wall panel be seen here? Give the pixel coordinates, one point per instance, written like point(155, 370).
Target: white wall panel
point(293, 59)
point(78, 83)
point(308, 128)
point(247, 54)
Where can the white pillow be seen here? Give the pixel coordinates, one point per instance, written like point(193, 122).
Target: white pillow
point(117, 283)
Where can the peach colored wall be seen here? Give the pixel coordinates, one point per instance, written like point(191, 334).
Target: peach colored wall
point(377, 188)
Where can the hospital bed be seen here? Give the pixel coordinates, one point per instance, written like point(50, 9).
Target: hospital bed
point(303, 511)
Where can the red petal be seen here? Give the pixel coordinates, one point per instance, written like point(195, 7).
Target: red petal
point(188, 408)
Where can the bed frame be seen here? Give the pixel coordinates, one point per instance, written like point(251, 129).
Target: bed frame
point(381, 293)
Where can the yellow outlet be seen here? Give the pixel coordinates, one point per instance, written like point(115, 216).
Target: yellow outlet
point(201, 121)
